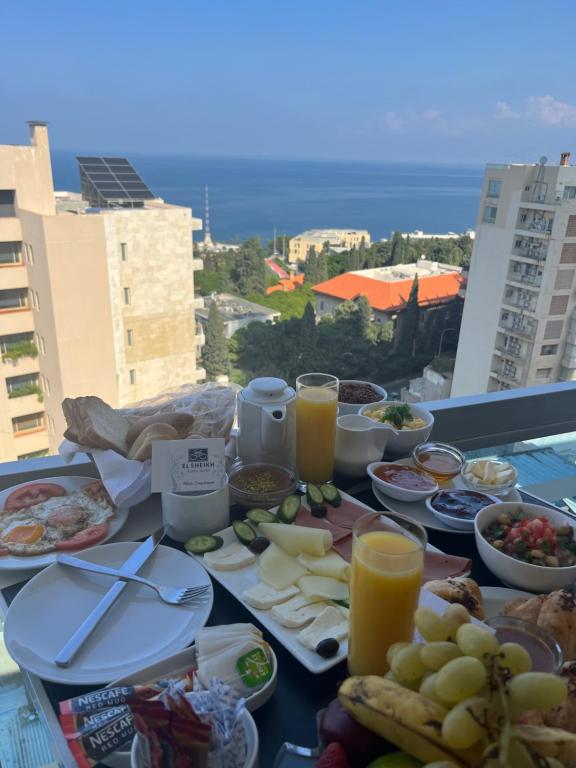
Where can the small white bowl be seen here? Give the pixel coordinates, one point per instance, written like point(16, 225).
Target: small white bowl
point(401, 494)
point(478, 485)
point(534, 578)
point(460, 523)
point(344, 409)
point(402, 441)
point(138, 753)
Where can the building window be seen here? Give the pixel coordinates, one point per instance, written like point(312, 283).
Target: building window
point(523, 217)
point(33, 455)
point(571, 227)
point(20, 386)
point(27, 423)
point(123, 252)
point(568, 255)
point(553, 329)
point(7, 202)
point(42, 344)
point(132, 374)
point(10, 254)
point(549, 349)
point(558, 305)
point(494, 187)
point(130, 337)
point(12, 340)
point(51, 425)
point(35, 299)
point(321, 305)
point(543, 373)
point(46, 383)
point(490, 214)
point(564, 280)
point(29, 254)
point(569, 193)
point(126, 296)
point(14, 298)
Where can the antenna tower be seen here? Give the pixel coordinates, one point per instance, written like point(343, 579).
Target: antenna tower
point(207, 235)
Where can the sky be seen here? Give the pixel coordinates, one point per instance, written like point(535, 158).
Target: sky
point(371, 80)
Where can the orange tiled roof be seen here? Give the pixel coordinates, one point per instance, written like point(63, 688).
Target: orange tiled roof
point(286, 285)
point(386, 296)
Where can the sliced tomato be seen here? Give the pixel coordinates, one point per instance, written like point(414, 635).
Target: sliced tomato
point(85, 538)
point(33, 493)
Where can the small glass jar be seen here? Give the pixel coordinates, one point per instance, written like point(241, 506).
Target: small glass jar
point(544, 651)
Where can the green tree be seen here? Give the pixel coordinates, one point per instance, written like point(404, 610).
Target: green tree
point(249, 271)
point(315, 266)
point(399, 250)
point(408, 322)
point(215, 354)
point(308, 334)
point(364, 316)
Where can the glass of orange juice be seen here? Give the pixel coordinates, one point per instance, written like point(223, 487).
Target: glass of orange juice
point(316, 412)
point(387, 568)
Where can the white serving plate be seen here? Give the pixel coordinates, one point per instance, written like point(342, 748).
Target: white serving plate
point(495, 598)
point(139, 630)
point(70, 483)
point(236, 582)
point(418, 511)
point(138, 757)
point(175, 665)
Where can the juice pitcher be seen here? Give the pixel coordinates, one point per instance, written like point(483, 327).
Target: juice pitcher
point(359, 442)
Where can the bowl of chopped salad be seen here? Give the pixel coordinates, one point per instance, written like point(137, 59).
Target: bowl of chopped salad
point(410, 424)
point(527, 545)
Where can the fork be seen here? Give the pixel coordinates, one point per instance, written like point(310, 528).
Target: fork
point(170, 595)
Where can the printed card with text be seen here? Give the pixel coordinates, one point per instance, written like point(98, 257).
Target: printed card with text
point(193, 465)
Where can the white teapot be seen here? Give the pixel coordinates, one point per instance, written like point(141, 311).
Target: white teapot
point(267, 422)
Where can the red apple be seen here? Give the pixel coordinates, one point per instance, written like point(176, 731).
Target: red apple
point(361, 745)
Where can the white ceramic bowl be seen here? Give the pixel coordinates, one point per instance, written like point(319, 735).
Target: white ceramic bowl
point(460, 523)
point(478, 485)
point(344, 409)
point(534, 578)
point(402, 441)
point(138, 758)
point(395, 492)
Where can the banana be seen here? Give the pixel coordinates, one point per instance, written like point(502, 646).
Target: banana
point(549, 742)
point(403, 717)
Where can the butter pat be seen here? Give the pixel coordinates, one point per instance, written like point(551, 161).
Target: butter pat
point(329, 624)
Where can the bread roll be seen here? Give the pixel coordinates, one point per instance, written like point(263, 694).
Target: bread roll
point(182, 423)
point(459, 589)
point(141, 449)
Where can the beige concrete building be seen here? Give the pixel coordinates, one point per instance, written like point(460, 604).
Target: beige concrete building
point(92, 301)
point(338, 239)
point(519, 322)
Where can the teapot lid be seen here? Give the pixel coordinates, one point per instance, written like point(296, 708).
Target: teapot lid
point(268, 389)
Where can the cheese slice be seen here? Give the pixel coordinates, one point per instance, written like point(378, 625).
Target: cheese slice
point(323, 588)
point(297, 612)
point(230, 558)
point(330, 623)
point(279, 570)
point(263, 597)
point(331, 565)
point(298, 539)
point(211, 640)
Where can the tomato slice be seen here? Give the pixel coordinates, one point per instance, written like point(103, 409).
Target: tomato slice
point(33, 493)
point(85, 538)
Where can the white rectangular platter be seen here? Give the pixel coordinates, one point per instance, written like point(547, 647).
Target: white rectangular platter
point(238, 581)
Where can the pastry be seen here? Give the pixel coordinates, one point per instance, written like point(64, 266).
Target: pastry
point(459, 589)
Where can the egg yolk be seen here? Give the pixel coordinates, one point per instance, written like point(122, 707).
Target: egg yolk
point(24, 534)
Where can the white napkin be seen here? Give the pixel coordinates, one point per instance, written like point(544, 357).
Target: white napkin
point(128, 482)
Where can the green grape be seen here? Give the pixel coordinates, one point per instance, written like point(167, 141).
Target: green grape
point(406, 664)
point(393, 650)
point(462, 727)
point(536, 690)
point(518, 755)
point(454, 616)
point(431, 625)
point(460, 679)
point(412, 685)
point(428, 688)
point(515, 658)
point(475, 641)
point(435, 655)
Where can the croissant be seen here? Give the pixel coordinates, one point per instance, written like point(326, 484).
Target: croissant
point(555, 613)
point(459, 589)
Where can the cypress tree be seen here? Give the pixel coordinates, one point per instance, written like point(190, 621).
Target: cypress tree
point(408, 322)
point(215, 354)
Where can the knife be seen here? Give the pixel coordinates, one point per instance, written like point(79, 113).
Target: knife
point(131, 566)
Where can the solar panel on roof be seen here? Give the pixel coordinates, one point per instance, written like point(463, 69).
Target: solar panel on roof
point(109, 181)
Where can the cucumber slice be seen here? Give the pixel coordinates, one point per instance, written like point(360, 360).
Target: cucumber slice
point(331, 494)
point(314, 495)
point(261, 516)
point(198, 545)
point(244, 532)
point(289, 508)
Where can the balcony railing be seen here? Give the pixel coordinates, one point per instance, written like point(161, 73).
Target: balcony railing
point(516, 352)
point(525, 278)
point(531, 250)
point(526, 304)
point(524, 330)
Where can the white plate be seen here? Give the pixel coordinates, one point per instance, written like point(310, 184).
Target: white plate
point(139, 629)
point(70, 483)
point(236, 582)
point(418, 511)
point(495, 598)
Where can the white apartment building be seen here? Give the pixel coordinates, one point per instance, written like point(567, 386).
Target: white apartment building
point(96, 293)
point(519, 322)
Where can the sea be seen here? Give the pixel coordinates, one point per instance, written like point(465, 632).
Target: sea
point(252, 197)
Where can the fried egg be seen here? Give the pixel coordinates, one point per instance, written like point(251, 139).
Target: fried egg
point(38, 529)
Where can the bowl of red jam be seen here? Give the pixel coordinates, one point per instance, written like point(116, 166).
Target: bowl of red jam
point(458, 508)
point(400, 481)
